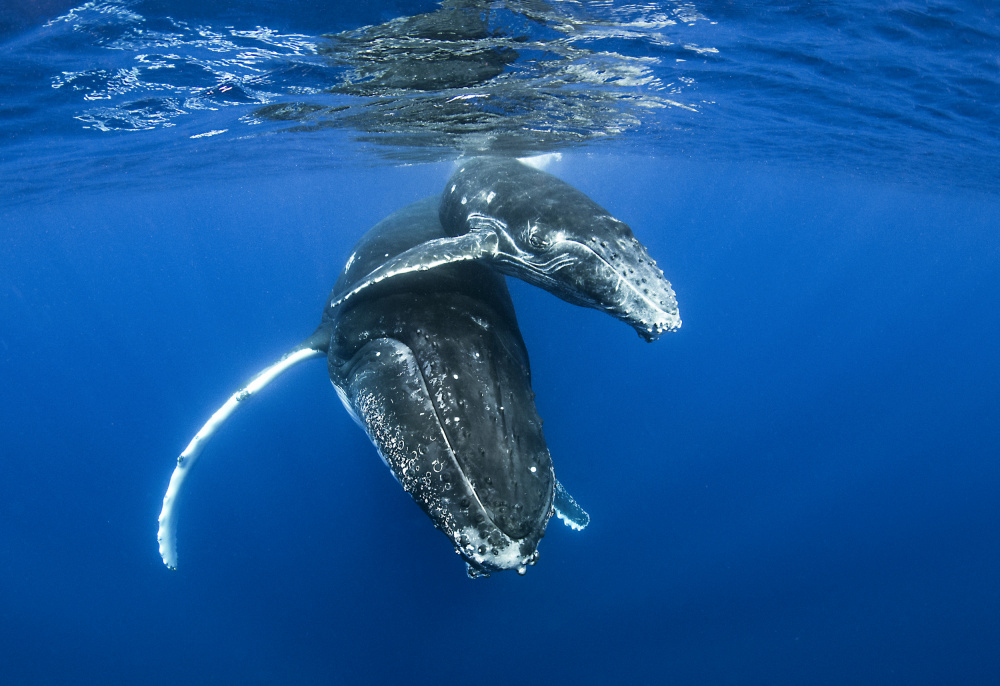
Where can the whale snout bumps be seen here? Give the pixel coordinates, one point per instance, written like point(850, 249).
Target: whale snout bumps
point(615, 274)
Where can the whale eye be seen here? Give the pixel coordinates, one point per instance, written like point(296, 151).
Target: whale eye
point(535, 239)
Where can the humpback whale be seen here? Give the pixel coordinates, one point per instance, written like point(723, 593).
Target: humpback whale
point(528, 224)
point(424, 350)
point(432, 365)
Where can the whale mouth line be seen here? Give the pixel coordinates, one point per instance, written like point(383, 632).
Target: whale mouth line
point(509, 557)
point(439, 418)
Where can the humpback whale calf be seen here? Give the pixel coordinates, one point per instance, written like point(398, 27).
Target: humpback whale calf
point(432, 365)
point(526, 223)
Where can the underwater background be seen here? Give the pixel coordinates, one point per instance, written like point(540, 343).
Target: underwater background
point(800, 486)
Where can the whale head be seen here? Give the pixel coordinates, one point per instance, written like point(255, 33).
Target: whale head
point(555, 237)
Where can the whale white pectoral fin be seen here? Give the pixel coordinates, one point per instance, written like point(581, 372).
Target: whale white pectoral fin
point(167, 534)
point(568, 510)
point(475, 245)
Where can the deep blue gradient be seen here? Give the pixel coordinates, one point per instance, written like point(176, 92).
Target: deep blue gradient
point(798, 487)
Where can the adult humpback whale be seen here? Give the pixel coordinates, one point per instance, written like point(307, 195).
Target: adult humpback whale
point(433, 367)
point(526, 223)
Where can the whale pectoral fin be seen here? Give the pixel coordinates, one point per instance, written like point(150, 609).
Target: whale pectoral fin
point(475, 245)
point(167, 534)
point(568, 510)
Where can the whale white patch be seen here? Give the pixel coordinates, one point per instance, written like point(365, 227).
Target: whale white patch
point(568, 510)
point(540, 162)
point(216, 132)
point(507, 558)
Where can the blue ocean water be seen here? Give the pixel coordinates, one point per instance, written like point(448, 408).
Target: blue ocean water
point(799, 486)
